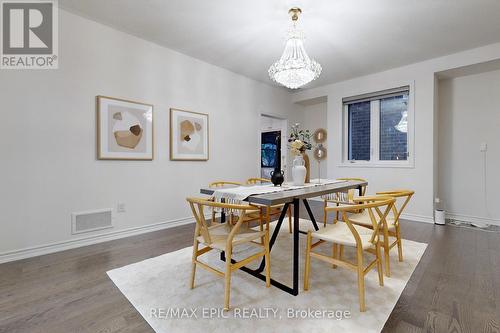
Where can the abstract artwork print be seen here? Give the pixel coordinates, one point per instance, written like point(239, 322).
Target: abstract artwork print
point(125, 129)
point(188, 136)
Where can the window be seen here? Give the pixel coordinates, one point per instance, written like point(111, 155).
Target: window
point(394, 128)
point(359, 131)
point(377, 128)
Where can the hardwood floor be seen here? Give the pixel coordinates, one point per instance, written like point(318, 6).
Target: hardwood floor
point(455, 287)
point(70, 291)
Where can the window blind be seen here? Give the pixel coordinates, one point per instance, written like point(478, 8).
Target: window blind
point(376, 95)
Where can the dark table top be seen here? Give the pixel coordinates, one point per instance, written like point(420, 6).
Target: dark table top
point(276, 198)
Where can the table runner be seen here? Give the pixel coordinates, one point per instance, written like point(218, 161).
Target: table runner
point(236, 195)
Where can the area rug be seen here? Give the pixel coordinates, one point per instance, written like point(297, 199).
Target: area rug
point(158, 289)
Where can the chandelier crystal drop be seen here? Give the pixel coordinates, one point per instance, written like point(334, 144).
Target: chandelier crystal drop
point(294, 69)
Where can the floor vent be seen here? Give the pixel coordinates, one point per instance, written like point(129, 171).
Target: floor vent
point(91, 220)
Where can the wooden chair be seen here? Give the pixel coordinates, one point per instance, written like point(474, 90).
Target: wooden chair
point(224, 183)
point(221, 183)
point(252, 181)
point(392, 227)
point(340, 199)
point(347, 234)
point(274, 210)
point(224, 237)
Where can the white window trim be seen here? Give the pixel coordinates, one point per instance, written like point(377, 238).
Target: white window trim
point(375, 141)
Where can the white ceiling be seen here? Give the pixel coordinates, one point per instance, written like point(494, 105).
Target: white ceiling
point(348, 38)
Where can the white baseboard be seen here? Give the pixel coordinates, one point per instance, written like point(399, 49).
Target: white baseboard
point(417, 218)
point(89, 240)
point(472, 219)
point(410, 217)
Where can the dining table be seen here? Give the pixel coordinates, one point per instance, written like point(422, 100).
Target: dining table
point(292, 195)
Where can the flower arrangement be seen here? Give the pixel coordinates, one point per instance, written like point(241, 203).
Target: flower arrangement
point(300, 140)
point(297, 147)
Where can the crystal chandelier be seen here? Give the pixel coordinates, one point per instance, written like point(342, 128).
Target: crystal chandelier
point(295, 68)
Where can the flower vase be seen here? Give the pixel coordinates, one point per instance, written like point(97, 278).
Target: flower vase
point(298, 170)
point(307, 164)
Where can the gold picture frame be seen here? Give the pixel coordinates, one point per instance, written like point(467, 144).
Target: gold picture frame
point(189, 136)
point(125, 129)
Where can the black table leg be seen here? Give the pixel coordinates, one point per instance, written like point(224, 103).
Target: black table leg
point(222, 220)
point(294, 290)
point(274, 236)
point(276, 231)
point(296, 219)
point(311, 215)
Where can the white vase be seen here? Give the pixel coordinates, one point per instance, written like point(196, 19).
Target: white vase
point(298, 171)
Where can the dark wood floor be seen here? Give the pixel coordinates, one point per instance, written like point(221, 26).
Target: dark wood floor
point(455, 287)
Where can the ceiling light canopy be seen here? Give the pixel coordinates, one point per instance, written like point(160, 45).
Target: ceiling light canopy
point(295, 68)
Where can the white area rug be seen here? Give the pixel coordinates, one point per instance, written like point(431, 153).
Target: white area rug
point(158, 287)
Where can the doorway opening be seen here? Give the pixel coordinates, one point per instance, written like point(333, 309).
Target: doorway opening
point(272, 145)
point(270, 152)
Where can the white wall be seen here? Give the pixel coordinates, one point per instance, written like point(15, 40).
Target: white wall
point(49, 167)
point(423, 176)
point(416, 178)
point(48, 143)
point(314, 117)
point(469, 114)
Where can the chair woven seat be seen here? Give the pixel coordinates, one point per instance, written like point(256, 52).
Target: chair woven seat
point(340, 233)
point(220, 233)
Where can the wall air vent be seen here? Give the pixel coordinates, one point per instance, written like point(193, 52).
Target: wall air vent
point(91, 220)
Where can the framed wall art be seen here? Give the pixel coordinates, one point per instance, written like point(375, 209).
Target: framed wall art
point(124, 129)
point(188, 136)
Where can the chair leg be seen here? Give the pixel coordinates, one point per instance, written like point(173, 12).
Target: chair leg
point(386, 253)
point(325, 205)
point(361, 281)
point(268, 260)
point(193, 262)
point(307, 267)
point(400, 245)
point(268, 218)
point(341, 252)
point(227, 289)
point(261, 219)
point(335, 251)
point(290, 219)
point(379, 265)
